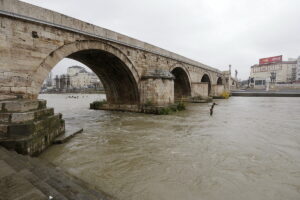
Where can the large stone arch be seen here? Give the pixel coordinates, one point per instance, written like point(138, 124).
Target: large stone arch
point(116, 71)
point(206, 78)
point(182, 81)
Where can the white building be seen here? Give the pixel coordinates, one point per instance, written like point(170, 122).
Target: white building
point(279, 72)
point(298, 70)
point(80, 78)
point(48, 82)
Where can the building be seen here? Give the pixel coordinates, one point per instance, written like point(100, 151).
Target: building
point(80, 78)
point(62, 83)
point(48, 83)
point(274, 70)
point(298, 70)
point(75, 80)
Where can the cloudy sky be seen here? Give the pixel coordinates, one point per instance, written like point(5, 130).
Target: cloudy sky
point(214, 32)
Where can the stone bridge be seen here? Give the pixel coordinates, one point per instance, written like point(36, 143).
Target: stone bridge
point(134, 73)
point(33, 40)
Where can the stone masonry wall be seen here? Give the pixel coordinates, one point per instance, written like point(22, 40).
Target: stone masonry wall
point(200, 89)
point(157, 91)
point(217, 90)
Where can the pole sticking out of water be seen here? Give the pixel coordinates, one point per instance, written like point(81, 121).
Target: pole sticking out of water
point(212, 108)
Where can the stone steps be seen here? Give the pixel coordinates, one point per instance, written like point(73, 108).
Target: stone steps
point(21, 117)
point(13, 186)
point(32, 137)
point(40, 179)
point(22, 105)
point(27, 126)
point(70, 132)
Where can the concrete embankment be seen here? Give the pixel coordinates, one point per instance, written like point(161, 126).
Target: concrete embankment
point(27, 178)
point(265, 94)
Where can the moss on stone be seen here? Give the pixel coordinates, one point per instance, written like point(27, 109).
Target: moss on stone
point(97, 104)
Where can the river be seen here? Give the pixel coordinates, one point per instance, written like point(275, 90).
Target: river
point(249, 149)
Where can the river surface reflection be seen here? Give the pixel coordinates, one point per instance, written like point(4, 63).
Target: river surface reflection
point(249, 149)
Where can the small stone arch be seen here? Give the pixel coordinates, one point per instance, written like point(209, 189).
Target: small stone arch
point(219, 81)
point(182, 83)
point(206, 79)
point(117, 73)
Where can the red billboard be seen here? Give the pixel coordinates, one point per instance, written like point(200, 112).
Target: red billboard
point(274, 59)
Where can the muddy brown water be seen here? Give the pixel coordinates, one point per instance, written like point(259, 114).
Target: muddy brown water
point(249, 149)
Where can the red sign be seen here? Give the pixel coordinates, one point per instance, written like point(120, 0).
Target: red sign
point(274, 59)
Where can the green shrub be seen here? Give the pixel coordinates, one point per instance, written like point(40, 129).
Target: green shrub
point(180, 106)
point(165, 111)
point(172, 108)
point(148, 103)
point(225, 95)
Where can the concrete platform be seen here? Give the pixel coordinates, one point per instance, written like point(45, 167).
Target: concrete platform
point(265, 94)
point(69, 133)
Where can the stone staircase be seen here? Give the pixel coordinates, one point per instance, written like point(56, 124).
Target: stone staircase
point(27, 178)
point(28, 126)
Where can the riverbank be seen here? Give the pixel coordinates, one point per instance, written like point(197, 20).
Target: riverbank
point(76, 92)
point(264, 93)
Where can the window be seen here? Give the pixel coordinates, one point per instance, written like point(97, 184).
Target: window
point(259, 82)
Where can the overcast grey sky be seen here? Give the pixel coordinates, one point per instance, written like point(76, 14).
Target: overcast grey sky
point(214, 32)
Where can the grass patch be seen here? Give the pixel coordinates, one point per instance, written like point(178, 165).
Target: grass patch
point(148, 103)
point(164, 111)
point(171, 109)
point(180, 106)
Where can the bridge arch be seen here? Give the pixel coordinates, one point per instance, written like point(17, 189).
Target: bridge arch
point(182, 83)
point(118, 75)
point(219, 81)
point(206, 79)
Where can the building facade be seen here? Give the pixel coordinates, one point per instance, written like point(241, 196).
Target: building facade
point(81, 78)
point(274, 70)
point(298, 70)
point(77, 78)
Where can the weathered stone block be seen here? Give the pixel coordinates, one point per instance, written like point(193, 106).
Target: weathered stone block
point(22, 117)
point(42, 104)
point(3, 129)
point(43, 112)
point(200, 89)
point(217, 90)
point(7, 97)
point(157, 91)
point(32, 137)
point(4, 117)
point(20, 130)
point(46, 124)
point(21, 105)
